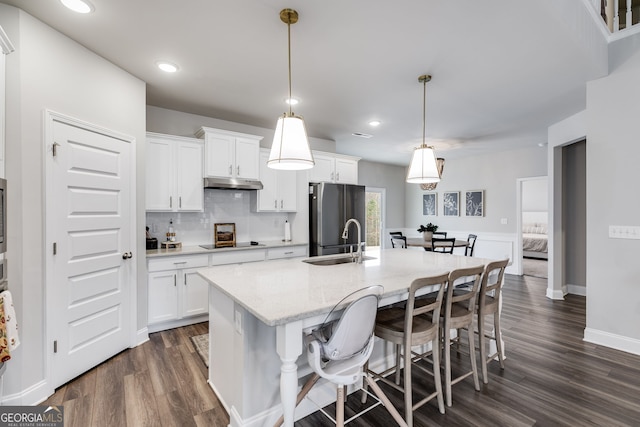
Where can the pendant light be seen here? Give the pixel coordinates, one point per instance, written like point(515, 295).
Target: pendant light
point(423, 168)
point(290, 149)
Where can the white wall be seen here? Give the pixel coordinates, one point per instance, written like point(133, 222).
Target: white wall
point(535, 195)
point(613, 150)
point(49, 71)
point(392, 178)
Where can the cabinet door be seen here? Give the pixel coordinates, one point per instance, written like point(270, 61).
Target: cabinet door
point(247, 158)
point(346, 171)
point(219, 152)
point(323, 171)
point(160, 179)
point(163, 296)
point(195, 294)
point(287, 196)
point(190, 191)
point(267, 197)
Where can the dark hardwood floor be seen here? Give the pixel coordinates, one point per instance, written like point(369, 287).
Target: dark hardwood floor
point(552, 378)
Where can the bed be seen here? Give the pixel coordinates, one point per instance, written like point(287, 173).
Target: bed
point(534, 235)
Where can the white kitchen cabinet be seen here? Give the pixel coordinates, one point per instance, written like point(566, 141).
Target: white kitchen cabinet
point(334, 168)
point(230, 154)
point(178, 296)
point(280, 192)
point(174, 173)
point(287, 252)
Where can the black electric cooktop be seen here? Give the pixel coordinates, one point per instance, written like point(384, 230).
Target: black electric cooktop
point(238, 245)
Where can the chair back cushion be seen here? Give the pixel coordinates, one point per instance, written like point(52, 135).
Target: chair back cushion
point(349, 335)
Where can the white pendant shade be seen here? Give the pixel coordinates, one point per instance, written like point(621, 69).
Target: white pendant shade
point(423, 168)
point(290, 149)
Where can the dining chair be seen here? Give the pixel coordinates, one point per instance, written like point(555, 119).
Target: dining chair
point(458, 313)
point(411, 326)
point(471, 243)
point(440, 234)
point(445, 245)
point(338, 350)
point(489, 303)
point(398, 238)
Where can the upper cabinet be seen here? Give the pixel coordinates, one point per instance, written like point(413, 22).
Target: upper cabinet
point(230, 154)
point(334, 168)
point(174, 173)
point(280, 188)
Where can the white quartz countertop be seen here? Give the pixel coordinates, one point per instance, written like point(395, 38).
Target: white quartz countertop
point(195, 249)
point(286, 290)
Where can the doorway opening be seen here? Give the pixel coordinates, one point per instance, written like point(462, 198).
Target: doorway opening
point(534, 226)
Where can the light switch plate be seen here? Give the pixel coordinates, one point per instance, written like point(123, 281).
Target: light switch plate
point(504, 221)
point(624, 232)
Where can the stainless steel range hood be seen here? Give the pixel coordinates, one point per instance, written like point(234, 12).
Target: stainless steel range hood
point(232, 183)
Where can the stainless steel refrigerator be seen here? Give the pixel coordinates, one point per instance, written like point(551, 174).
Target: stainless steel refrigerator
point(330, 206)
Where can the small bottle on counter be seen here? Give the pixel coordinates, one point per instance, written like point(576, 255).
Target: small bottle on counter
point(287, 231)
point(171, 234)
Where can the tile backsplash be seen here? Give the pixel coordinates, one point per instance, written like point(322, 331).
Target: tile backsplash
point(220, 206)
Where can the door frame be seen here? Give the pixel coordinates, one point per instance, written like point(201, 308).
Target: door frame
point(50, 117)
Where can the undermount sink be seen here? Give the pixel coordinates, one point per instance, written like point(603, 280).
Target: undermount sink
point(334, 261)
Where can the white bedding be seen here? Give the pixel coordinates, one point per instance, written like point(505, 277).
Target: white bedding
point(534, 242)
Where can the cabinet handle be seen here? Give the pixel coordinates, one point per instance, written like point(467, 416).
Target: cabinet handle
point(181, 262)
point(238, 170)
point(332, 175)
point(175, 280)
point(281, 204)
point(338, 176)
point(275, 204)
point(180, 202)
point(185, 280)
point(230, 170)
point(289, 253)
point(171, 201)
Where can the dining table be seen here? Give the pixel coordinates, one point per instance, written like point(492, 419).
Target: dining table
point(419, 241)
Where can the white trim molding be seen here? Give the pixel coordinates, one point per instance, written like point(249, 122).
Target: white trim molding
point(577, 290)
point(5, 43)
point(607, 339)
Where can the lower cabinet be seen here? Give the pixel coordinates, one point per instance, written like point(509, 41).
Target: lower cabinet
point(178, 296)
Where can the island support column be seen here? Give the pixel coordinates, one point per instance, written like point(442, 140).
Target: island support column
point(289, 347)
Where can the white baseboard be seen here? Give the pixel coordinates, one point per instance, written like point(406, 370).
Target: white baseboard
point(557, 294)
point(607, 339)
point(33, 395)
point(142, 336)
point(577, 290)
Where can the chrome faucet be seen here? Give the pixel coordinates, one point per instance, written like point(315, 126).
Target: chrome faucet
point(345, 235)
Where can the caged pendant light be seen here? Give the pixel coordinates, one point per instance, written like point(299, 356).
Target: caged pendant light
point(423, 168)
point(290, 149)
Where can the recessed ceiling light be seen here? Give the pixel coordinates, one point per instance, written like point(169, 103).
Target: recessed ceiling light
point(167, 66)
point(292, 101)
point(374, 123)
point(80, 6)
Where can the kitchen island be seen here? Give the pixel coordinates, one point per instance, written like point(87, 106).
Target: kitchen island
point(259, 312)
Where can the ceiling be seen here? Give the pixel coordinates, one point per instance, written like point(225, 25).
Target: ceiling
point(503, 70)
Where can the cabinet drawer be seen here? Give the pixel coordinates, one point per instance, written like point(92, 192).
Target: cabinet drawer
point(178, 262)
point(236, 257)
point(287, 252)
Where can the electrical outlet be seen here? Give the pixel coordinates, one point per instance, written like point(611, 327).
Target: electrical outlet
point(504, 221)
point(238, 321)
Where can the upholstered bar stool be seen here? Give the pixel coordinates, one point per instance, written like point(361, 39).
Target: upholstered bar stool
point(408, 327)
point(458, 310)
point(489, 301)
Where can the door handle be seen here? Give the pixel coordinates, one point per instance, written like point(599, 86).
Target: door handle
point(127, 255)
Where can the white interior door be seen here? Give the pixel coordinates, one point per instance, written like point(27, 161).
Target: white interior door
point(89, 229)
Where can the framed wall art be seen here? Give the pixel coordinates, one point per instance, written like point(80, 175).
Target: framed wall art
point(451, 203)
point(429, 205)
point(474, 203)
